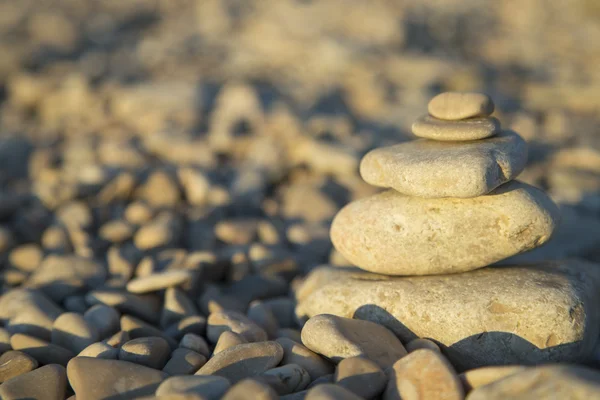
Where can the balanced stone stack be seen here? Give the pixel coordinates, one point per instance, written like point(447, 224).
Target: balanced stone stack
point(426, 245)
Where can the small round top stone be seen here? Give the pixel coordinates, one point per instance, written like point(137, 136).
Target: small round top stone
point(460, 105)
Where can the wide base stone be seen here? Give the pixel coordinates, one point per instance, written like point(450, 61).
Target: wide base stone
point(493, 316)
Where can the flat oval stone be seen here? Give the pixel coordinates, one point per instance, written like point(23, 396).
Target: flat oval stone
point(243, 361)
point(297, 353)
point(94, 378)
point(433, 169)
point(360, 376)
point(478, 377)
point(72, 332)
point(159, 281)
point(492, 316)
point(221, 321)
point(543, 383)
point(394, 234)
point(100, 350)
point(15, 363)
point(337, 338)
point(460, 105)
point(228, 339)
point(423, 374)
point(150, 351)
point(329, 391)
point(44, 352)
point(250, 389)
point(429, 127)
point(48, 382)
point(421, 343)
point(208, 386)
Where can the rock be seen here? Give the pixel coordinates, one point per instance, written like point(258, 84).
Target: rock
point(195, 342)
point(138, 213)
point(351, 338)
point(104, 318)
point(243, 361)
point(330, 391)
point(287, 379)
point(117, 231)
point(29, 312)
point(429, 127)
point(478, 377)
point(162, 231)
point(237, 231)
point(228, 339)
point(177, 306)
point(360, 376)
point(195, 185)
point(93, 378)
point(150, 351)
point(423, 374)
point(192, 324)
point(508, 322)
point(184, 362)
point(15, 363)
point(159, 281)
point(26, 257)
point(42, 351)
point(221, 321)
point(72, 332)
point(118, 339)
point(263, 317)
point(250, 389)
point(209, 387)
point(391, 233)
point(160, 190)
point(146, 307)
point(296, 353)
point(60, 276)
point(48, 383)
point(543, 383)
point(100, 350)
point(432, 169)
point(140, 329)
point(460, 105)
point(419, 343)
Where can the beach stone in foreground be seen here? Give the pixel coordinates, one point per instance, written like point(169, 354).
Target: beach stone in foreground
point(15, 363)
point(93, 378)
point(432, 169)
point(211, 387)
point(543, 383)
point(337, 338)
point(48, 383)
point(429, 127)
point(329, 391)
point(460, 105)
point(423, 374)
point(478, 377)
point(250, 389)
point(360, 376)
point(394, 234)
point(492, 316)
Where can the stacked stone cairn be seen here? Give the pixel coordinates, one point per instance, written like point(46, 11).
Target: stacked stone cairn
point(424, 249)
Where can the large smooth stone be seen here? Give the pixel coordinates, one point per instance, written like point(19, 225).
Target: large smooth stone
point(430, 168)
point(429, 127)
point(492, 316)
point(46, 383)
point(460, 105)
point(394, 234)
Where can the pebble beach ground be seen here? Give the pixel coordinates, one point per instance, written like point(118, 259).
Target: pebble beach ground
point(173, 174)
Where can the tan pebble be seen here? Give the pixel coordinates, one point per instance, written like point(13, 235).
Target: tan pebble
point(429, 127)
point(184, 362)
point(421, 343)
point(118, 339)
point(26, 257)
point(296, 353)
point(15, 363)
point(288, 378)
point(177, 306)
point(228, 339)
point(100, 350)
point(360, 376)
point(159, 281)
point(250, 388)
point(478, 377)
point(219, 322)
point(138, 213)
point(140, 329)
point(195, 185)
point(150, 351)
point(42, 351)
point(72, 332)
point(330, 391)
point(460, 105)
point(207, 386)
point(48, 382)
point(192, 324)
point(116, 231)
point(423, 374)
point(160, 190)
point(237, 231)
point(195, 342)
point(146, 307)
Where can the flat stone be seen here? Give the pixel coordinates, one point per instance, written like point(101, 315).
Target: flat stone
point(287, 379)
point(460, 105)
point(150, 351)
point(221, 321)
point(208, 386)
point(29, 312)
point(72, 332)
point(329, 391)
point(15, 363)
point(519, 315)
point(100, 350)
point(184, 362)
point(543, 383)
point(140, 329)
point(360, 376)
point(195, 342)
point(297, 353)
point(26, 257)
point(250, 389)
point(429, 127)
point(391, 233)
point(48, 383)
point(44, 352)
point(432, 169)
point(228, 339)
point(478, 377)
point(159, 281)
point(337, 338)
point(423, 374)
point(118, 339)
point(93, 378)
point(104, 318)
point(243, 361)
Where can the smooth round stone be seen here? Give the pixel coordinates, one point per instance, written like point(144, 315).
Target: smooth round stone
point(208, 386)
point(228, 339)
point(48, 383)
point(222, 321)
point(100, 350)
point(184, 362)
point(329, 391)
point(543, 383)
point(250, 389)
point(421, 343)
point(44, 352)
point(287, 379)
point(478, 377)
point(395, 234)
point(72, 332)
point(429, 127)
point(460, 105)
point(28, 312)
point(297, 353)
point(346, 337)
point(140, 329)
point(150, 351)
point(196, 343)
point(433, 169)
point(360, 376)
point(94, 378)
point(15, 363)
point(26, 257)
point(243, 361)
point(159, 281)
point(104, 318)
point(146, 307)
point(423, 374)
